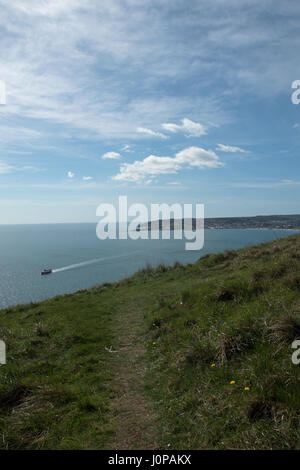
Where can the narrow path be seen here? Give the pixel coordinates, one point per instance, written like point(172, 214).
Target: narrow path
point(132, 417)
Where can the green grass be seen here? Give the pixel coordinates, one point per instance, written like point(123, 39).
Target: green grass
point(238, 310)
point(56, 387)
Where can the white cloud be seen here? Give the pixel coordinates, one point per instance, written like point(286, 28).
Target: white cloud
point(153, 165)
point(231, 149)
point(199, 157)
point(126, 148)
point(111, 156)
point(144, 130)
point(150, 166)
point(190, 128)
point(87, 178)
point(70, 174)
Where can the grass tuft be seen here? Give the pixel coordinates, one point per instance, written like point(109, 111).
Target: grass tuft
point(285, 329)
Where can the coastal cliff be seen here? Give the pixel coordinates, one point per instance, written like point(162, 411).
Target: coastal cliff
point(191, 356)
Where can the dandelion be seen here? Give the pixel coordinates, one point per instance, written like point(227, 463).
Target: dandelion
point(213, 365)
point(154, 343)
point(232, 382)
point(247, 388)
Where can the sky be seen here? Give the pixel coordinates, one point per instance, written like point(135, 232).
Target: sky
point(162, 101)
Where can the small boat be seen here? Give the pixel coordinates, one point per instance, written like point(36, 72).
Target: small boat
point(46, 271)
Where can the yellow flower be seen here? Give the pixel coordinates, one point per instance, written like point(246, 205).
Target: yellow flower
point(154, 343)
point(232, 382)
point(246, 388)
point(213, 365)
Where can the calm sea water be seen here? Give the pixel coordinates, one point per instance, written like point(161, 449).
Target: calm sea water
point(80, 260)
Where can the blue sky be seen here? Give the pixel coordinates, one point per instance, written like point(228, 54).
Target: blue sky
point(162, 101)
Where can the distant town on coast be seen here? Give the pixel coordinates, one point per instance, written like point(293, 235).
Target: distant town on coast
point(279, 222)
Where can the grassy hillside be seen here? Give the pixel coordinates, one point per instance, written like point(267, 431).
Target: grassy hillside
point(188, 357)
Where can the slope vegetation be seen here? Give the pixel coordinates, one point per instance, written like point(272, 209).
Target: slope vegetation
point(191, 356)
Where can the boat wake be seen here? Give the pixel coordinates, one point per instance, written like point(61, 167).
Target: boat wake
point(92, 261)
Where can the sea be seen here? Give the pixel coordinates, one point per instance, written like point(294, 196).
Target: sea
point(80, 260)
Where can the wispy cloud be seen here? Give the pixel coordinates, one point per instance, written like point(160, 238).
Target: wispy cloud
point(126, 148)
point(18, 134)
point(111, 156)
point(289, 181)
point(72, 60)
point(106, 84)
point(87, 178)
point(5, 168)
point(230, 149)
point(153, 165)
point(266, 185)
point(144, 130)
point(128, 72)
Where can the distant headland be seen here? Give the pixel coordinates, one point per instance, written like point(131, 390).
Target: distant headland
point(280, 222)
